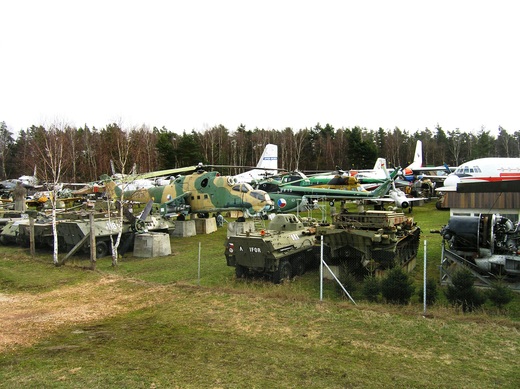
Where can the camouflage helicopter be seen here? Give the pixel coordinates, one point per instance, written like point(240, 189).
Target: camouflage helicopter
point(202, 192)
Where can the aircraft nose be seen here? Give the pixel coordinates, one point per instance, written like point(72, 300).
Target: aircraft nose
point(451, 180)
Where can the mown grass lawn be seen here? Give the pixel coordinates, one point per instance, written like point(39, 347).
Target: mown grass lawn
point(154, 323)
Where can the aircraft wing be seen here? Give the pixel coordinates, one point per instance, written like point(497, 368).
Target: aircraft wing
point(75, 184)
point(339, 194)
point(391, 200)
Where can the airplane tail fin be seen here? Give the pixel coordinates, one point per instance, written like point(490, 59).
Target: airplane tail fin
point(380, 162)
point(269, 158)
point(382, 189)
point(110, 187)
point(417, 158)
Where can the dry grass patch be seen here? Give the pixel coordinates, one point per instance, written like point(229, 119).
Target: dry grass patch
point(26, 318)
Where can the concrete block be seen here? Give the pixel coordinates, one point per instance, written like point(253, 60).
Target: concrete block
point(205, 226)
point(152, 244)
point(184, 228)
point(328, 275)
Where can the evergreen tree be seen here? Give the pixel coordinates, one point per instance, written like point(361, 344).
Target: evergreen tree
point(431, 292)
point(371, 288)
point(462, 293)
point(500, 295)
point(397, 287)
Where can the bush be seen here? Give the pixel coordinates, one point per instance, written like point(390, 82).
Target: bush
point(371, 288)
point(462, 292)
point(349, 282)
point(397, 287)
point(431, 292)
point(500, 295)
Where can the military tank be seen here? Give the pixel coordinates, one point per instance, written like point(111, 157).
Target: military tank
point(362, 242)
point(284, 249)
point(370, 242)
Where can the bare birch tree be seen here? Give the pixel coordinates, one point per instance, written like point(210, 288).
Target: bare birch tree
point(123, 143)
point(50, 147)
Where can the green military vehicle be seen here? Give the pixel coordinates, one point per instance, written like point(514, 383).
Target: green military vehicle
point(75, 231)
point(368, 242)
point(284, 249)
point(73, 228)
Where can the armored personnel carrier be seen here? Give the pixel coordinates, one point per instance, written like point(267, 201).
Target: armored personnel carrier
point(73, 228)
point(284, 249)
point(363, 242)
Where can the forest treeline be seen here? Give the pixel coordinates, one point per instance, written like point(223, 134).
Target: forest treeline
point(83, 154)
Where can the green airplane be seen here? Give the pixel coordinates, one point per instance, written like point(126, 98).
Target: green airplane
point(289, 197)
point(335, 180)
point(199, 193)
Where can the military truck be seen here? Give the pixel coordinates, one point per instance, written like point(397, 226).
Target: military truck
point(367, 242)
point(282, 250)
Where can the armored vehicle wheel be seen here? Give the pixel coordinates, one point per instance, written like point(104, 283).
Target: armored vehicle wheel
point(139, 226)
point(284, 272)
point(298, 265)
point(101, 249)
point(241, 271)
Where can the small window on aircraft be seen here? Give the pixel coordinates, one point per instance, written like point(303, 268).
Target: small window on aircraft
point(205, 196)
point(242, 188)
point(198, 197)
point(204, 182)
point(258, 195)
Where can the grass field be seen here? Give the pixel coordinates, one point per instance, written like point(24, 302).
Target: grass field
point(153, 323)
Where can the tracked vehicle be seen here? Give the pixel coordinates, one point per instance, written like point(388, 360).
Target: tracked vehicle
point(362, 242)
point(370, 241)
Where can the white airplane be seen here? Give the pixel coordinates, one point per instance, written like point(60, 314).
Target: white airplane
point(29, 181)
point(377, 172)
point(408, 172)
point(395, 195)
point(399, 198)
point(483, 170)
point(267, 166)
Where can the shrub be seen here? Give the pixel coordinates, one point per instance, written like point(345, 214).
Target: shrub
point(349, 282)
point(371, 288)
point(462, 292)
point(431, 292)
point(397, 287)
point(500, 294)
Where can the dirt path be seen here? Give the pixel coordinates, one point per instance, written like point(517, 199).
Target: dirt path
point(27, 318)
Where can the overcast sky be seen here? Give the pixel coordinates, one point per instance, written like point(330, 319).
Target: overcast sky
point(191, 65)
